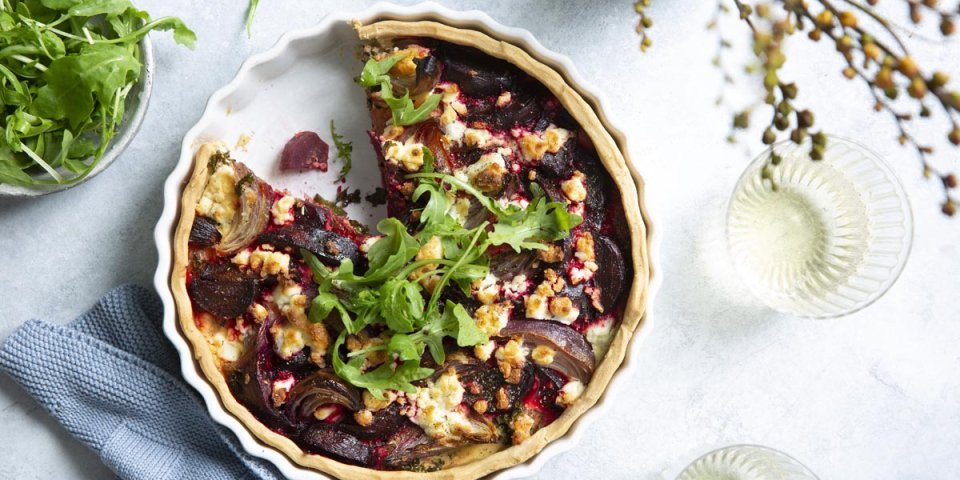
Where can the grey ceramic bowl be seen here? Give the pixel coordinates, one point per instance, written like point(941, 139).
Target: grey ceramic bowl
point(136, 110)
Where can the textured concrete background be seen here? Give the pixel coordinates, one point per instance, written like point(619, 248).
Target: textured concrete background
point(875, 395)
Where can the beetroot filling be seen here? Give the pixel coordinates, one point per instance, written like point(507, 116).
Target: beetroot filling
point(389, 440)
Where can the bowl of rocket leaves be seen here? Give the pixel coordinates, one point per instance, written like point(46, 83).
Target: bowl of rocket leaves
point(75, 80)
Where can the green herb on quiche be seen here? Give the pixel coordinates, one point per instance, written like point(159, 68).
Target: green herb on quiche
point(66, 69)
point(344, 152)
point(520, 228)
point(401, 294)
point(403, 110)
point(541, 221)
point(375, 72)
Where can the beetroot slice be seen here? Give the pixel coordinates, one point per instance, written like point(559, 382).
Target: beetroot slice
point(477, 74)
point(329, 247)
point(558, 165)
point(321, 437)
point(612, 275)
point(306, 150)
point(222, 290)
point(385, 424)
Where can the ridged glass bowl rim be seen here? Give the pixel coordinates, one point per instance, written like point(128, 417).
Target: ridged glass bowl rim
point(879, 163)
point(747, 445)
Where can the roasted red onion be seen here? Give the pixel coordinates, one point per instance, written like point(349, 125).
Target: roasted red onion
point(482, 429)
point(420, 82)
point(256, 198)
point(251, 379)
point(431, 136)
point(428, 74)
point(511, 263)
point(317, 389)
point(411, 446)
point(404, 447)
point(324, 438)
point(574, 356)
point(424, 453)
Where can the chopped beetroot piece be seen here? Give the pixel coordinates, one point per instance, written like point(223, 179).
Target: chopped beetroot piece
point(481, 382)
point(320, 437)
point(597, 183)
point(311, 215)
point(306, 150)
point(613, 271)
point(222, 290)
point(560, 164)
point(477, 74)
point(328, 246)
point(385, 424)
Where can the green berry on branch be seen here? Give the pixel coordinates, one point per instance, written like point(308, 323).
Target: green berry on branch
point(769, 136)
point(742, 120)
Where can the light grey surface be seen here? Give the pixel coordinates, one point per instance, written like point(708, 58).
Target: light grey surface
point(875, 395)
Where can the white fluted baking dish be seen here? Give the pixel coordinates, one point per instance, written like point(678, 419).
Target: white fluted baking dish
point(299, 85)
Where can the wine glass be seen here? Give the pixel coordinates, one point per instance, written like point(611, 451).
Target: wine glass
point(819, 238)
point(746, 462)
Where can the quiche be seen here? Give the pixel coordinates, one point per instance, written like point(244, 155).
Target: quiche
point(466, 330)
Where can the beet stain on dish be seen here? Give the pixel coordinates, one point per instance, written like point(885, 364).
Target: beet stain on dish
point(306, 150)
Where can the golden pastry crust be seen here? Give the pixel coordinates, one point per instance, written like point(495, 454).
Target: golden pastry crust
point(477, 460)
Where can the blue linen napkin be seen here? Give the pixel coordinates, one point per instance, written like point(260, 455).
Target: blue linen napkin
point(111, 378)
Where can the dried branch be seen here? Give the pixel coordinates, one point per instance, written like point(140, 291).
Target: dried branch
point(886, 70)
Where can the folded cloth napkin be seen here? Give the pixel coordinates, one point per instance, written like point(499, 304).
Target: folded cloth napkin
point(111, 378)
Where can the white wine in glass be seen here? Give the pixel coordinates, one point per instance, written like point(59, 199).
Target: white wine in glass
point(819, 238)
